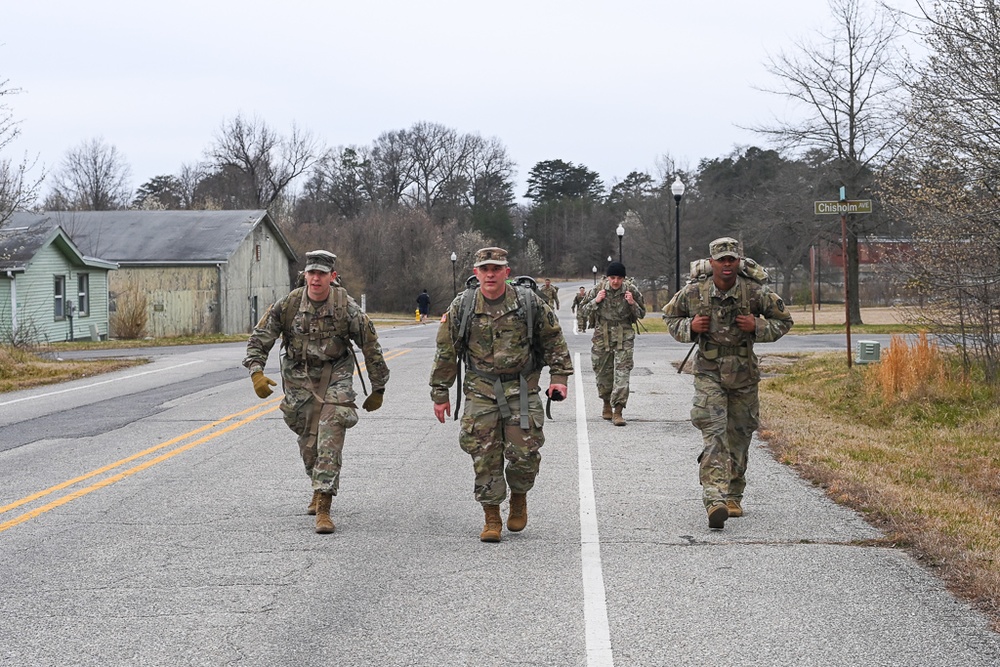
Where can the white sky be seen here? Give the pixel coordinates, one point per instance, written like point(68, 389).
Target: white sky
point(612, 85)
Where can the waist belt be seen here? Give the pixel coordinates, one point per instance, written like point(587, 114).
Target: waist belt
point(498, 391)
point(712, 351)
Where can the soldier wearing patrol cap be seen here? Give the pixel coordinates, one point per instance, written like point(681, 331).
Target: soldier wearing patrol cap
point(317, 324)
point(503, 334)
point(725, 314)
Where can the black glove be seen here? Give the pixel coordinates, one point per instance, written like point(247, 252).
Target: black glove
point(554, 394)
point(374, 400)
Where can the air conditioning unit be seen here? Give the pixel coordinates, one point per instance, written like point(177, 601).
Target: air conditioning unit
point(869, 352)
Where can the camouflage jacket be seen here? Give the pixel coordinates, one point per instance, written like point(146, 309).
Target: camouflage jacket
point(613, 317)
point(724, 337)
point(551, 295)
point(498, 345)
point(578, 301)
point(315, 334)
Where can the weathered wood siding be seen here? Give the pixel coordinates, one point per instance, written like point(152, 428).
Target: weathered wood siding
point(259, 268)
point(180, 301)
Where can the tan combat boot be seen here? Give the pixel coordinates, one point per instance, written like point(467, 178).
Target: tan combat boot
point(617, 418)
point(311, 510)
point(491, 531)
point(717, 515)
point(606, 412)
point(518, 517)
point(324, 524)
point(734, 507)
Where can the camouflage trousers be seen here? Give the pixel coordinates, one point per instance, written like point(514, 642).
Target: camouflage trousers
point(322, 453)
point(613, 368)
point(727, 419)
point(489, 439)
point(581, 321)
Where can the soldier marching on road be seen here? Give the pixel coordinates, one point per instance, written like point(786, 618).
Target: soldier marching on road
point(577, 307)
point(504, 334)
point(317, 324)
point(726, 313)
point(614, 305)
point(551, 294)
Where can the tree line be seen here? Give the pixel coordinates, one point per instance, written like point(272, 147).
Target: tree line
point(917, 135)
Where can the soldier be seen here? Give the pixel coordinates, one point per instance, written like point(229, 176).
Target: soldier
point(317, 324)
point(726, 314)
point(581, 319)
point(504, 334)
point(614, 306)
point(551, 294)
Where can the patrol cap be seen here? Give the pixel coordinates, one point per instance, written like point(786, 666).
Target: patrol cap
point(320, 260)
point(616, 269)
point(496, 256)
point(725, 247)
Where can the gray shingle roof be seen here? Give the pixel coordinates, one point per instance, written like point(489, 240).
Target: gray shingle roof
point(19, 245)
point(140, 237)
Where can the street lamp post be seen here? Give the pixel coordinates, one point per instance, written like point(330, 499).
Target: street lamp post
point(595, 274)
point(621, 234)
point(454, 283)
point(678, 191)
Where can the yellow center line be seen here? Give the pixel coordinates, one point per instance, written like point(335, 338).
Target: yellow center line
point(131, 471)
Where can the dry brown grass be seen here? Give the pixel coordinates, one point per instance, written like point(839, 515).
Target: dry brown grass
point(908, 444)
point(22, 369)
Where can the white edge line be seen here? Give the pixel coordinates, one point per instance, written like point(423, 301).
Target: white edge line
point(96, 384)
point(595, 608)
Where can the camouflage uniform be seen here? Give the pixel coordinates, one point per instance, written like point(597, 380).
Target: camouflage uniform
point(726, 374)
point(498, 346)
point(551, 294)
point(318, 340)
point(614, 338)
point(581, 318)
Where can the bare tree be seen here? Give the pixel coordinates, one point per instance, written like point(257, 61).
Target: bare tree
point(849, 82)
point(947, 183)
point(94, 176)
point(18, 190)
point(268, 162)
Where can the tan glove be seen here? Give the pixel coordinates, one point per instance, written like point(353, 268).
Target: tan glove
point(262, 384)
point(374, 400)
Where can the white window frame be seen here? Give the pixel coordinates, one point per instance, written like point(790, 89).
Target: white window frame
point(83, 294)
point(59, 297)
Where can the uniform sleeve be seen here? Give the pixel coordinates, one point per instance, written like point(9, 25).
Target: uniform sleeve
point(263, 336)
point(775, 320)
point(555, 351)
point(364, 336)
point(445, 368)
point(588, 305)
point(678, 317)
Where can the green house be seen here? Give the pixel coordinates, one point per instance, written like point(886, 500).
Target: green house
point(50, 291)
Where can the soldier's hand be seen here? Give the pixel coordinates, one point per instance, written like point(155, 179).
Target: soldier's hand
point(374, 400)
point(701, 323)
point(600, 296)
point(629, 297)
point(262, 384)
point(747, 323)
point(557, 392)
point(441, 410)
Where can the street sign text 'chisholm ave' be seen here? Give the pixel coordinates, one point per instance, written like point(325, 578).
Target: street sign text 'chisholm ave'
point(841, 207)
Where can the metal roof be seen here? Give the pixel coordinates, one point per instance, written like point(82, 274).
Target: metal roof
point(150, 237)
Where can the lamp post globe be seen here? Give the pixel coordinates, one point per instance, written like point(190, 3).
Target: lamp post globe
point(595, 274)
point(621, 234)
point(454, 284)
point(677, 189)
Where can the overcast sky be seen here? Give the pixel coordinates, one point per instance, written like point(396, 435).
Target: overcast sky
point(611, 85)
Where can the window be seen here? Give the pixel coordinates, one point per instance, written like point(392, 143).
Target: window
point(83, 295)
point(59, 295)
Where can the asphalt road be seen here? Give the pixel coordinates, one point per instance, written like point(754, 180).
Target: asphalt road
point(156, 516)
